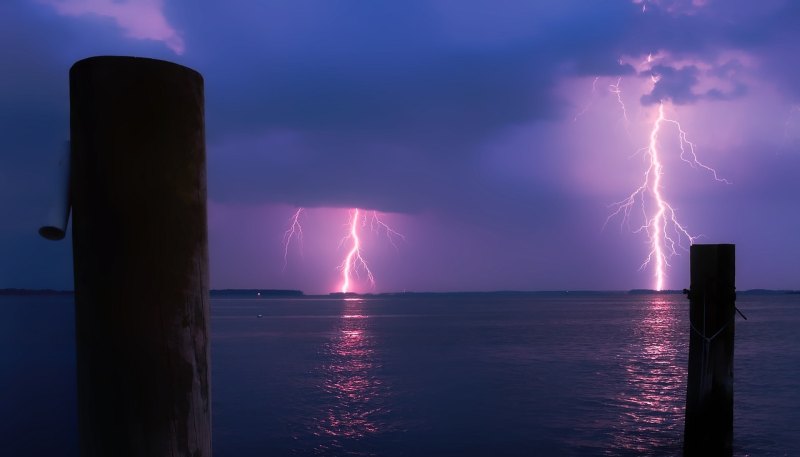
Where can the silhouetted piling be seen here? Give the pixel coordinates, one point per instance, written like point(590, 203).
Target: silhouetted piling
point(709, 395)
point(140, 258)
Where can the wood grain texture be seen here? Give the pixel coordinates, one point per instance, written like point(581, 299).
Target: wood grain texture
point(140, 258)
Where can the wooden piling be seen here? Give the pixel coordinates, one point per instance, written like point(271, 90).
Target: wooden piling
point(709, 395)
point(140, 258)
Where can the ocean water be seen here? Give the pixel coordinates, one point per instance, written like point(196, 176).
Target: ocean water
point(442, 375)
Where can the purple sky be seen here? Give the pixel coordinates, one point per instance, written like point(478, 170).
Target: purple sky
point(487, 132)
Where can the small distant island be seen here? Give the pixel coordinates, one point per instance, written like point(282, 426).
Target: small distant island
point(766, 292)
point(255, 292)
point(738, 292)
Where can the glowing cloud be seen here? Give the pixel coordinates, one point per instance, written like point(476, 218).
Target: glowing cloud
point(140, 19)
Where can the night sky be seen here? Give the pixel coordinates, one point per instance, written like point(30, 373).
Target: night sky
point(491, 134)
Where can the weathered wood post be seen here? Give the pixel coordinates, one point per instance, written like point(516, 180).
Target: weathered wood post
point(709, 395)
point(140, 258)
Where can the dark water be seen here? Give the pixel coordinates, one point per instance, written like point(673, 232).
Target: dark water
point(467, 375)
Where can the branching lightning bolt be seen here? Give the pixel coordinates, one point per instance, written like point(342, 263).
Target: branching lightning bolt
point(591, 100)
point(353, 261)
point(294, 232)
point(663, 229)
point(614, 89)
point(377, 225)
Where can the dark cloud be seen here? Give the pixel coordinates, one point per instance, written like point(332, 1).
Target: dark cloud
point(387, 107)
point(673, 84)
point(450, 97)
point(777, 53)
point(678, 86)
point(392, 105)
point(391, 97)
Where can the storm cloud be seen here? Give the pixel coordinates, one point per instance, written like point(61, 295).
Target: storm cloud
point(490, 120)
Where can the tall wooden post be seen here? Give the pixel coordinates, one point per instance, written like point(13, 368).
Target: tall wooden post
point(709, 396)
point(140, 258)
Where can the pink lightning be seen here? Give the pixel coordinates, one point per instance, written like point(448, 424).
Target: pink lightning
point(295, 231)
point(663, 229)
point(614, 89)
point(353, 261)
point(376, 224)
point(589, 104)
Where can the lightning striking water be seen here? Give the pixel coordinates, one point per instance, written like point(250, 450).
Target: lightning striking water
point(295, 231)
point(353, 261)
point(664, 232)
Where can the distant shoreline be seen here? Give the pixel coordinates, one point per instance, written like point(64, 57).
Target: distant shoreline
point(212, 292)
point(256, 292)
point(299, 293)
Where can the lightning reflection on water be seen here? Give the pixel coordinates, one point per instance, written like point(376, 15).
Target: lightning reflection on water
point(356, 395)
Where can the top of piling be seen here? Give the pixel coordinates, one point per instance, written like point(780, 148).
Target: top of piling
point(132, 61)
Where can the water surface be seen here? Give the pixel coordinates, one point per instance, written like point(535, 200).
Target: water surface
point(449, 375)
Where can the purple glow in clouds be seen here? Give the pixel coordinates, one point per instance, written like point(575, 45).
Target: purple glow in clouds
point(492, 134)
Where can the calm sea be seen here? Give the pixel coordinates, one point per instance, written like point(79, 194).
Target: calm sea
point(444, 375)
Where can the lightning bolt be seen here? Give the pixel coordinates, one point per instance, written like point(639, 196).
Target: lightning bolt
point(643, 3)
point(295, 231)
point(614, 89)
point(353, 261)
point(664, 231)
point(377, 225)
point(591, 100)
